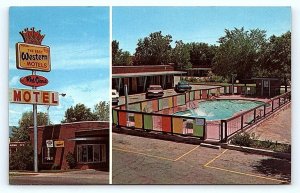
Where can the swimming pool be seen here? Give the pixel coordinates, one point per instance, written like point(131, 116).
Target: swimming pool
point(219, 109)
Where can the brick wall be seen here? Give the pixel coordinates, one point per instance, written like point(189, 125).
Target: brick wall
point(65, 132)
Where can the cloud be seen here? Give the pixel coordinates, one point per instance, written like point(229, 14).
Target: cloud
point(88, 93)
point(16, 111)
point(14, 81)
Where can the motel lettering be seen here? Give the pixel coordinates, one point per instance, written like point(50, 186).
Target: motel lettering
point(26, 96)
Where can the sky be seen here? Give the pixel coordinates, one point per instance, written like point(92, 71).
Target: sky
point(199, 24)
point(79, 45)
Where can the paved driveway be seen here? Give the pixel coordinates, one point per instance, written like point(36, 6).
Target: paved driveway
point(83, 177)
point(138, 160)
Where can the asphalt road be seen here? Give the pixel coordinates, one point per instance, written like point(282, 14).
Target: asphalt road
point(138, 160)
point(84, 177)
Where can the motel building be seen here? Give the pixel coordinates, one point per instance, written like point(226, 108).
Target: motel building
point(138, 78)
point(87, 141)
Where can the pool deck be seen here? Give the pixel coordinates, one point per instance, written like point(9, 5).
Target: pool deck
point(241, 97)
point(276, 128)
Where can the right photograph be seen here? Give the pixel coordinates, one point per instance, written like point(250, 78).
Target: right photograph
point(201, 95)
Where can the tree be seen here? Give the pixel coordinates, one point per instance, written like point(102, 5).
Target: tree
point(202, 54)
point(21, 133)
point(22, 159)
point(181, 56)
point(79, 113)
point(154, 49)
point(275, 60)
point(238, 52)
point(115, 51)
point(120, 57)
point(102, 111)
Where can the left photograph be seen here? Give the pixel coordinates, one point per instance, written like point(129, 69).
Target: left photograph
point(59, 77)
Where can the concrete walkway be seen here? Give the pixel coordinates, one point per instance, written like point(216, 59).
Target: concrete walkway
point(277, 128)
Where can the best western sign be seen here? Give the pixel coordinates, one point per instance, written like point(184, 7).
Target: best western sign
point(39, 97)
point(33, 57)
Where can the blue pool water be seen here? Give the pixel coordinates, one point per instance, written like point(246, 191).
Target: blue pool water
point(219, 109)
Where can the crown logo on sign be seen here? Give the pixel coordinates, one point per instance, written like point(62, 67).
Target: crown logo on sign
point(30, 36)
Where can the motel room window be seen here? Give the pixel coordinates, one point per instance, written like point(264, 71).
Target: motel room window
point(94, 153)
point(141, 81)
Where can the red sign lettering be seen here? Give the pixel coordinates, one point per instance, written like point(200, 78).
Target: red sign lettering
point(34, 81)
point(45, 97)
point(26, 96)
point(17, 95)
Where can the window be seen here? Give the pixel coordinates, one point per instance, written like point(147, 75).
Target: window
point(91, 153)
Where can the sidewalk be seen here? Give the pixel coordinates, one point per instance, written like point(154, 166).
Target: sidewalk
point(277, 128)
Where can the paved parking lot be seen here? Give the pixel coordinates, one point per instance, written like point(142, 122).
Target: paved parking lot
point(82, 177)
point(138, 160)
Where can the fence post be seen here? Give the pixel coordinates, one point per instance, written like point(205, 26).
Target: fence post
point(204, 129)
point(264, 110)
point(118, 121)
point(242, 121)
point(223, 128)
point(226, 131)
point(254, 119)
point(143, 125)
point(222, 133)
point(200, 92)
point(272, 105)
point(172, 125)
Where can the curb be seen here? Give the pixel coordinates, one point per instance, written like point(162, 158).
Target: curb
point(210, 146)
point(257, 151)
point(161, 136)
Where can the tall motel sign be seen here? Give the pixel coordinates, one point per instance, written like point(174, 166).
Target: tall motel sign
point(33, 56)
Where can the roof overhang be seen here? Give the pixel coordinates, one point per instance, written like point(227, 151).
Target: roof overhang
point(88, 138)
point(142, 74)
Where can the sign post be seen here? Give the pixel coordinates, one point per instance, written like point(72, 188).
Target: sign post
point(35, 131)
point(31, 55)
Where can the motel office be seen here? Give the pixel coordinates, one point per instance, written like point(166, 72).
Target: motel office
point(138, 78)
point(87, 142)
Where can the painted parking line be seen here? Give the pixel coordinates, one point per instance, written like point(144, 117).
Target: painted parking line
point(237, 172)
point(215, 158)
point(154, 156)
point(186, 154)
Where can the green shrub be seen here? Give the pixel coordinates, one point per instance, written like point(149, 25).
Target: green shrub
point(193, 79)
point(71, 160)
point(243, 139)
point(250, 140)
point(22, 159)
